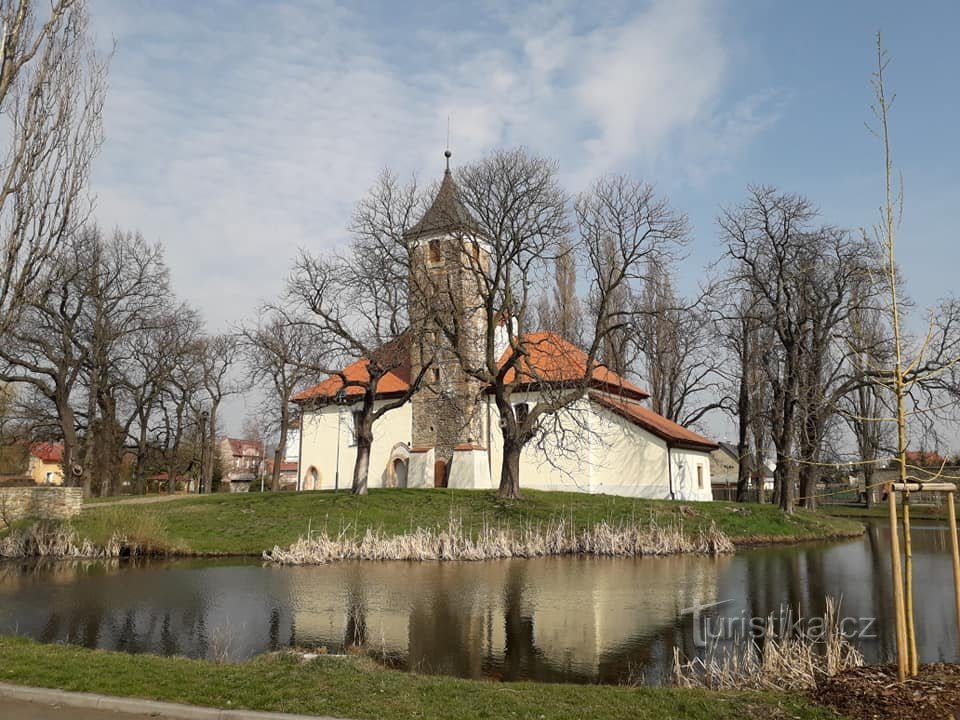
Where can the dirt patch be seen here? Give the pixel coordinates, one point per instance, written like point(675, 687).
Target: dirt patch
point(873, 693)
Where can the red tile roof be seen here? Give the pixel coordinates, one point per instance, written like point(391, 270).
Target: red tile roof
point(550, 360)
point(924, 458)
point(47, 451)
point(240, 446)
point(288, 466)
point(395, 382)
point(675, 435)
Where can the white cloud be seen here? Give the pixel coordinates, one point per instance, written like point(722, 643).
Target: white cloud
point(238, 133)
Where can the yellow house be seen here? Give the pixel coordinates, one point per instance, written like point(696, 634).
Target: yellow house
point(44, 465)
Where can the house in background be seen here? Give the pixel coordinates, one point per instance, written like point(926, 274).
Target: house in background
point(242, 463)
point(724, 466)
point(44, 464)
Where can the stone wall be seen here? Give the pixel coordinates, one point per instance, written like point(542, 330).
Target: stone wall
point(42, 503)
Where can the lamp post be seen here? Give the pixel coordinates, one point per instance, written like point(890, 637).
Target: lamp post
point(340, 399)
point(204, 417)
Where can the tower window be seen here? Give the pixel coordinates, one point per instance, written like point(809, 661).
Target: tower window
point(434, 254)
point(435, 374)
point(700, 477)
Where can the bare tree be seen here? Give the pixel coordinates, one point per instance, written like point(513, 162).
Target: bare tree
point(281, 353)
point(217, 355)
point(866, 405)
point(778, 257)
point(128, 297)
point(156, 365)
point(357, 305)
point(678, 349)
point(560, 311)
point(51, 96)
point(514, 223)
point(44, 348)
point(181, 404)
point(616, 346)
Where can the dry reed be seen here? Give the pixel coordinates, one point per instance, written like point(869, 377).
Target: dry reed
point(793, 662)
point(529, 540)
point(59, 540)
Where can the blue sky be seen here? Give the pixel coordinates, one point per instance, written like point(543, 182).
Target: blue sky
point(239, 131)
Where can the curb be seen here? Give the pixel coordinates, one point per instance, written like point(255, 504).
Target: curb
point(154, 708)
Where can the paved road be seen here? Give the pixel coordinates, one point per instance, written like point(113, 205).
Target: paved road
point(17, 710)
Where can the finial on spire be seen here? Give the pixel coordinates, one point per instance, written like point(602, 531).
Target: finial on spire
point(447, 153)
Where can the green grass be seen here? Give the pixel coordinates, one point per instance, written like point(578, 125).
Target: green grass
point(251, 523)
point(358, 688)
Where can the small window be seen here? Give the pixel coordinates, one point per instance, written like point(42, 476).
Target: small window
point(435, 374)
point(434, 254)
point(700, 476)
point(521, 410)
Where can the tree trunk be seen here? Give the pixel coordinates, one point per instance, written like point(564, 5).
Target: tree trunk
point(783, 478)
point(362, 466)
point(207, 451)
point(280, 452)
point(510, 470)
point(868, 485)
point(68, 429)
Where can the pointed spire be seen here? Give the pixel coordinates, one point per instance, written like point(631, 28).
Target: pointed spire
point(446, 214)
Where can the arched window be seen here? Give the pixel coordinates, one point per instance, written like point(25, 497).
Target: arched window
point(434, 252)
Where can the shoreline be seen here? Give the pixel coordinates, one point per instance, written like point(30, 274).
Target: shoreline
point(421, 524)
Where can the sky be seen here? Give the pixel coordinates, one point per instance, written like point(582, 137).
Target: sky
point(238, 132)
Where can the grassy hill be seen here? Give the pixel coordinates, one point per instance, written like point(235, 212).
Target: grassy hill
point(251, 523)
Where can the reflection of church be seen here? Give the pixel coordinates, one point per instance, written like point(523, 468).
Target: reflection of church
point(562, 619)
point(448, 433)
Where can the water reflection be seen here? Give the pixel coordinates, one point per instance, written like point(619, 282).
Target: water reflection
point(557, 619)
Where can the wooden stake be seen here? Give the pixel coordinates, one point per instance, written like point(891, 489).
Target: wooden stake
point(912, 661)
point(955, 547)
point(898, 609)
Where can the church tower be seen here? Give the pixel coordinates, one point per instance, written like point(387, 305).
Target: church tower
point(449, 258)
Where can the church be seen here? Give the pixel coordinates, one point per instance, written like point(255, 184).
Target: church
point(448, 433)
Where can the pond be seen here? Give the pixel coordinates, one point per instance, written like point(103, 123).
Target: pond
point(567, 619)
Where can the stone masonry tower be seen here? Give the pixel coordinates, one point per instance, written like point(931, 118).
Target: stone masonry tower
point(448, 259)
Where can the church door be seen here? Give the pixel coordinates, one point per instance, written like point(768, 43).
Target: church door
point(440, 474)
point(400, 473)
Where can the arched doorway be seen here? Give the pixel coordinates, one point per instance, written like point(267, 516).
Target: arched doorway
point(400, 473)
point(312, 479)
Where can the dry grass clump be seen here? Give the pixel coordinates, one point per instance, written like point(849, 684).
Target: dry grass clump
point(793, 663)
point(48, 540)
point(453, 543)
point(115, 534)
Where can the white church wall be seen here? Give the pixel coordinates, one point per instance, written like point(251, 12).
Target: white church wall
point(609, 455)
point(628, 460)
point(691, 474)
point(547, 467)
point(320, 440)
